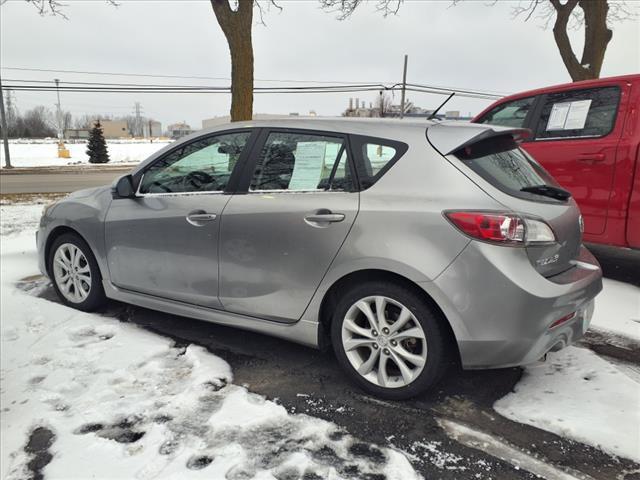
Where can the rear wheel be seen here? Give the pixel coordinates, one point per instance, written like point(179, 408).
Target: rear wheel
point(388, 340)
point(75, 273)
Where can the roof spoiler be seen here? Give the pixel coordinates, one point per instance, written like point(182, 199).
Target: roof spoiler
point(448, 137)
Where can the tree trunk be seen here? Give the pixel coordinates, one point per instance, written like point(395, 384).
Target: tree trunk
point(596, 37)
point(236, 26)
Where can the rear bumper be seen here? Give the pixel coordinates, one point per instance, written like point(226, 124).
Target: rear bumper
point(502, 310)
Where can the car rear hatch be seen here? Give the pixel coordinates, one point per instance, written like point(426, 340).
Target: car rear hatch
point(491, 158)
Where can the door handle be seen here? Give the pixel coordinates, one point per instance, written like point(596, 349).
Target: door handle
point(200, 218)
point(328, 217)
point(591, 157)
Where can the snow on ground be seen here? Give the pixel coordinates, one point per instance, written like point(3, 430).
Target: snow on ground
point(126, 403)
point(618, 309)
point(577, 394)
point(46, 154)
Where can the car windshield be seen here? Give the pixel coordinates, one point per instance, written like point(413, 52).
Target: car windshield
point(500, 162)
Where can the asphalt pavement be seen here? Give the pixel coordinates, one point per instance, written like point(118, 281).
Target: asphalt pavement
point(309, 381)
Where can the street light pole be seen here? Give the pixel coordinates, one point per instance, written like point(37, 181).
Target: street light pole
point(59, 111)
point(5, 130)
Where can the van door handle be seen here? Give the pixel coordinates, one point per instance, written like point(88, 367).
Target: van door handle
point(198, 219)
point(591, 157)
point(324, 217)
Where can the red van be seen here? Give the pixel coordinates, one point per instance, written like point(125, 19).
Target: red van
point(587, 135)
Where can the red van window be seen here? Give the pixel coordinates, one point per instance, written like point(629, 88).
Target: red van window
point(509, 114)
point(578, 114)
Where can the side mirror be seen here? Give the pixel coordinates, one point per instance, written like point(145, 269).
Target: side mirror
point(123, 188)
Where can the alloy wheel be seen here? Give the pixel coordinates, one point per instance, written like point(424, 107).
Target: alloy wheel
point(384, 341)
point(72, 273)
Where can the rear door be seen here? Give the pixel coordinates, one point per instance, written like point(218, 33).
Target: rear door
point(576, 135)
point(278, 239)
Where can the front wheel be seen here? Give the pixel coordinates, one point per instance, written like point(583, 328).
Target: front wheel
point(75, 273)
point(388, 340)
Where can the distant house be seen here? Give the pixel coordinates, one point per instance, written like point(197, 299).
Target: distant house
point(181, 129)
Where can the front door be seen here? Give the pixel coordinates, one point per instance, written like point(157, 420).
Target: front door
point(279, 239)
point(576, 138)
point(164, 242)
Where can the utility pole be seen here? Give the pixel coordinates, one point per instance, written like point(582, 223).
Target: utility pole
point(404, 86)
point(5, 132)
point(138, 132)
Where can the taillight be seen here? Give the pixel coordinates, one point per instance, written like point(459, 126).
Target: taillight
point(501, 228)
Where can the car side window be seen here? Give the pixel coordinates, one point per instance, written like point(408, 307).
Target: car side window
point(302, 162)
point(578, 114)
point(509, 114)
point(204, 165)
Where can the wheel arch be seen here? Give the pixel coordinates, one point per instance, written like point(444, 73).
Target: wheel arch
point(331, 297)
point(56, 233)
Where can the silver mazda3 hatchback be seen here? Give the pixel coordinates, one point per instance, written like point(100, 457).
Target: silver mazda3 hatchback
point(402, 245)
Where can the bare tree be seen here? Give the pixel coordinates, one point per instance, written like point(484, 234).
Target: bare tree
point(595, 16)
point(345, 8)
point(52, 7)
point(36, 123)
point(383, 103)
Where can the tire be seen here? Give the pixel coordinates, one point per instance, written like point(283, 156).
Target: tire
point(350, 327)
point(74, 292)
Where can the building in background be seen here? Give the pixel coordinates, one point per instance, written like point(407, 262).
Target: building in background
point(76, 134)
point(115, 129)
point(153, 129)
point(180, 129)
point(216, 121)
point(359, 109)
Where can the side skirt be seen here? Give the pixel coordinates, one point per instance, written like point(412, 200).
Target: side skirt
point(304, 332)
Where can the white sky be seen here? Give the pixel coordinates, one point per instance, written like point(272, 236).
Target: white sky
point(468, 46)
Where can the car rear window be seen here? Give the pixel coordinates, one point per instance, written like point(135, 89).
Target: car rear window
point(500, 161)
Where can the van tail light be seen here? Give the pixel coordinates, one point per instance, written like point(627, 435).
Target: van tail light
point(501, 228)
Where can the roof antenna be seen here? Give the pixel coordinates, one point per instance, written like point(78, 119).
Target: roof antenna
point(433, 114)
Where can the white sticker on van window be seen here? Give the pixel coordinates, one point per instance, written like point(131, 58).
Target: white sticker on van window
point(577, 115)
point(558, 116)
point(569, 115)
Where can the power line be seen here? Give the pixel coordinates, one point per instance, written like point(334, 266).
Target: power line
point(99, 88)
point(322, 82)
point(149, 75)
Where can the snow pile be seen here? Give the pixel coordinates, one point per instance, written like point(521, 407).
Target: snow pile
point(577, 394)
point(618, 309)
point(46, 154)
point(122, 402)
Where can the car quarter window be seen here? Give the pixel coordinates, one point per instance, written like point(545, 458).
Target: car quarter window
point(509, 114)
point(203, 165)
point(296, 161)
point(578, 114)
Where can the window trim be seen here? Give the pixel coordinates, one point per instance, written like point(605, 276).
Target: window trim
point(233, 178)
point(542, 99)
point(359, 141)
point(244, 182)
point(531, 114)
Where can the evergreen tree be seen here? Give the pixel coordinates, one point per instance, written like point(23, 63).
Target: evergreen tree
point(97, 147)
